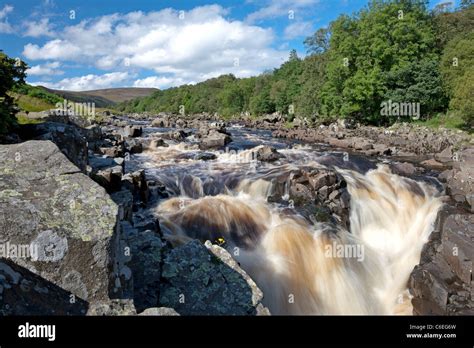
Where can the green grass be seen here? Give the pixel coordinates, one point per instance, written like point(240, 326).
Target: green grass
point(449, 120)
point(31, 104)
point(22, 119)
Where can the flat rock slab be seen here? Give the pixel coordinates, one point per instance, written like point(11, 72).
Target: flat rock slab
point(67, 219)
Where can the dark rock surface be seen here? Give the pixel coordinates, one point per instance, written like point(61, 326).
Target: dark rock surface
point(196, 282)
point(442, 283)
point(24, 293)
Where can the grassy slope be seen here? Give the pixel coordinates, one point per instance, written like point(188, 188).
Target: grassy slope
point(103, 97)
point(118, 95)
point(31, 104)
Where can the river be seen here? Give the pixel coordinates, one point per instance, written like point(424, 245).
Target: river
point(303, 264)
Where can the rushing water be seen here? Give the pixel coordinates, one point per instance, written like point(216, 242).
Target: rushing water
point(303, 266)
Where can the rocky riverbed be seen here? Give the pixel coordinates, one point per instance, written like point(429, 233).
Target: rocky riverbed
point(83, 196)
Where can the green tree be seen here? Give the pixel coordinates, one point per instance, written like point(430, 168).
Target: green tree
point(312, 78)
point(318, 43)
point(463, 97)
point(12, 73)
point(458, 57)
point(375, 55)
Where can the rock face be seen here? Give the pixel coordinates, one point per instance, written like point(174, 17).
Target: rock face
point(24, 293)
point(70, 221)
point(442, 283)
point(196, 282)
point(69, 138)
point(147, 250)
point(460, 180)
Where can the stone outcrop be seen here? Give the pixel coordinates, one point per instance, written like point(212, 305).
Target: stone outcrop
point(442, 283)
point(197, 282)
point(67, 219)
point(69, 138)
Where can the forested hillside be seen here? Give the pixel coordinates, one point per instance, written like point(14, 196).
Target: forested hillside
point(396, 51)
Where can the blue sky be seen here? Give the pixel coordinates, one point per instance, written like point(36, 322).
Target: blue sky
point(92, 44)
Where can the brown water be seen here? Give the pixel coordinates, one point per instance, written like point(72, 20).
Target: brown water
point(303, 266)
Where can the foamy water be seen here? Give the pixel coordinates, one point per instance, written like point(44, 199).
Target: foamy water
point(302, 267)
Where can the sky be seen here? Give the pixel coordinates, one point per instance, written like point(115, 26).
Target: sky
point(93, 44)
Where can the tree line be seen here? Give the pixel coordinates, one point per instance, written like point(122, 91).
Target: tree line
point(393, 51)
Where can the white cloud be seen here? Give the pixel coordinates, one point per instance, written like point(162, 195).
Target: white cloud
point(5, 27)
point(182, 47)
point(45, 69)
point(39, 28)
point(298, 29)
point(278, 8)
point(159, 82)
point(87, 82)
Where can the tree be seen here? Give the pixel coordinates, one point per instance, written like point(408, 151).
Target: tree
point(458, 56)
point(375, 55)
point(318, 43)
point(463, 97)
point(12, 73)
point(312, 78)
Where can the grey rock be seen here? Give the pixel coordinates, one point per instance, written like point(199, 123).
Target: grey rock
point(115, 307)
point(404, 168)
point(124, 200)
point(441, 284)
point(268, 154)
point(134, 146)
point(196, 282)
point(46, 201)
point(214, 140)
point(69, 138)
point(160, 311)
point(24, 293)
point(132, 131)
point(458, 245)
point(109, 178)
point(205, 156)
point(147, 257)
point(224, 256)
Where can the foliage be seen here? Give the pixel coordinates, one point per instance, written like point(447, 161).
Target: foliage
point(12, 73)
point(463, 97)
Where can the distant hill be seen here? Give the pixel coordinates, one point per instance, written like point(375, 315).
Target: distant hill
point(103, 97)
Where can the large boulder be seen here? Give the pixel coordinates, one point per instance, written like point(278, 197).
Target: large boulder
point(267, 154)
point(69, 138)
point(67, 219)
point(214, 140)
point(132, 131)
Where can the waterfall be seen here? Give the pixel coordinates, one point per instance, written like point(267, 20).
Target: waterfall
point(317, 268)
